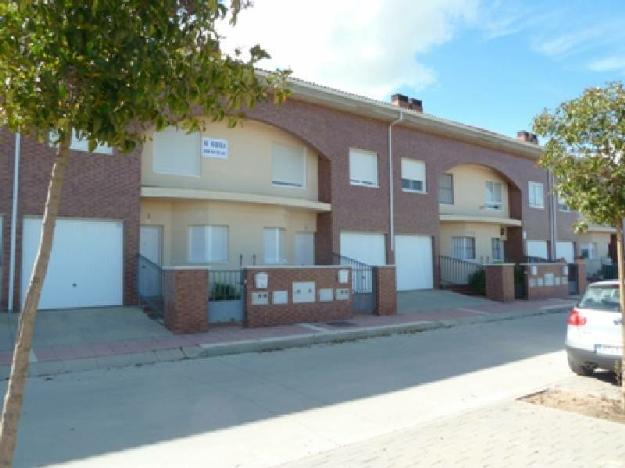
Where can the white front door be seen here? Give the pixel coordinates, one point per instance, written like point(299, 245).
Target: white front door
point(413, 260)
point(365, 247)
point(304, 248)
point(151, 244)
point(565, 250)
point(536, 248)
point(86, 263)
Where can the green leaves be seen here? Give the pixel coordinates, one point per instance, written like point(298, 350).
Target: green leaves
point(113, 69)
point(584, 150)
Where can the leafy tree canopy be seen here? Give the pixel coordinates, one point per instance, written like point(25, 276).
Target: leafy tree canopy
point(584, 150)
point(112, 68)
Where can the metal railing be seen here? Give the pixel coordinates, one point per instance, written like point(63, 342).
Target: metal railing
point(150, 285)
point(225, 285)
point(457, 271)
point(362, 274)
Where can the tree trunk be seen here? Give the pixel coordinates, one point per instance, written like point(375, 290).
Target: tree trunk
point(19, 367)
point(620, 258)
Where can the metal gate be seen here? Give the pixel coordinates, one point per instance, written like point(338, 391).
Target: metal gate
point(363, 286)
point(150, 286)
point(520, 282)
point(226, 295)
point(573, 286)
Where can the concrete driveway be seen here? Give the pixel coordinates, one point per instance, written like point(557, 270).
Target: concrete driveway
point(436, 299)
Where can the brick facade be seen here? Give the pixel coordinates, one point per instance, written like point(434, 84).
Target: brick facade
point(384, 286)
point(500, 282)
point(546, 280)
point(185, 297)
point(281, 279)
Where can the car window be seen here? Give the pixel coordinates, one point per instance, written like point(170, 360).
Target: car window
point(601, 298)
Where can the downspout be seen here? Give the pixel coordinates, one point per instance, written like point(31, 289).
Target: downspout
point(554, 211)
point(391, 185)
point(16, 174)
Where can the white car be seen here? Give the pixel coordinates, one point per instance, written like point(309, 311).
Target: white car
point(593, 337)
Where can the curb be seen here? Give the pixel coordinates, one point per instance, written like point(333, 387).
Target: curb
point(48, 368)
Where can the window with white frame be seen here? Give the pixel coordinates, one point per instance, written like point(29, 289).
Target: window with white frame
point(497, 248)
point(273, 240)
point(288, 166)
point(207, 244)
point(536, 198)
point(446, 189)
point(494, 195)
point(176, 152)
point(81, 144)
point(562, 206)
point(588, 250)
point(412, 175)
point(463, 247)
point(363, 168)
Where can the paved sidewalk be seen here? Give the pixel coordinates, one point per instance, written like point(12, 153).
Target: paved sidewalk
point(511, 434)
point(54, 357)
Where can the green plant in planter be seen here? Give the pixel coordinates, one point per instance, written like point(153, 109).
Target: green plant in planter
point(477, 282)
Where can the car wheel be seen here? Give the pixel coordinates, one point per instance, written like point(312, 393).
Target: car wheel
point(579, 368)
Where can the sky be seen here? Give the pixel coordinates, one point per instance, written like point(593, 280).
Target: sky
point(488, 63)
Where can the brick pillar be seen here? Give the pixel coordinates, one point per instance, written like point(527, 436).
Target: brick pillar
point(385, 290)
point(500, 282)
point(581, 275)
point(185, 296)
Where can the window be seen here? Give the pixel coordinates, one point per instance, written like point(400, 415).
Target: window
point(274, 246)
point(497, 248)
point(363, 168)
point(463, 247)
point(494, 197)
point(81, 144)
point(176, 152)
point(536, 195)
point(589, 250)
point(208, 244)
point(288, 166)
point(562, 204)
point(446, 189)
point(412, 175)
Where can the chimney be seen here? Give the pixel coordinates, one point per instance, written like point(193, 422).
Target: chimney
point(403, 101)
point(527, 137)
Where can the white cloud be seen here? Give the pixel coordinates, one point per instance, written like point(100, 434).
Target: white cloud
point(368, 47)
point(608, 64)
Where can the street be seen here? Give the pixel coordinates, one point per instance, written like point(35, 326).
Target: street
point(277, 407)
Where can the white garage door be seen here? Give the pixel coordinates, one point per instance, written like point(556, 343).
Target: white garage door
point(413, 259)
point(565, 250)
point(85, 267)
point(537, 249)
point(365, 247)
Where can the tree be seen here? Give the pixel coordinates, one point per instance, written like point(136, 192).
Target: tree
point(111, 71)
point(585, 151)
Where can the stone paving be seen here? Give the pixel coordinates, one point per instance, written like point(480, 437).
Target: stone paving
point(510, 434)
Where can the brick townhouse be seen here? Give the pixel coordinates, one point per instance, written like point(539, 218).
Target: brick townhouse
point(326, 175)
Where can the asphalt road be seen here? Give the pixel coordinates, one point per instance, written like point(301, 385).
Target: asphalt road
point(270, 408)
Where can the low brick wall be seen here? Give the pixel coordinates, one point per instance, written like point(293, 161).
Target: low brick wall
point(185, 298)
point(500, 282)
point(385, 289)
point(546, 280)
point(324, 297)
point(581, 275)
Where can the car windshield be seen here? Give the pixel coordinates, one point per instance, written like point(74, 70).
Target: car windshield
point(603, 297)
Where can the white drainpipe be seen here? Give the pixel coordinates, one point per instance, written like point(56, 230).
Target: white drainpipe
point(16, 173)
point(553, 234)
point(391, 185)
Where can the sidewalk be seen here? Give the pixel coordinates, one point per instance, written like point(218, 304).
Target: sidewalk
point(130, 348)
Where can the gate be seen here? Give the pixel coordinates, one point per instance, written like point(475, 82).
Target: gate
point(363, 287)
point(520, 284)
point(226, 293)
point(573, 286)
point(150, 286)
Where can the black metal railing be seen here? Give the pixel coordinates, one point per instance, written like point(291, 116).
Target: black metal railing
point(609, 272)
point(458, 271)
point(150, 285)
point(362, 274)
point(225, 285)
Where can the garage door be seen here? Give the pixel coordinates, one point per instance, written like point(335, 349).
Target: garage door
point(537, 249)
point(85, 267)
point(365, 247)
point(565, 250)
point(413, 259)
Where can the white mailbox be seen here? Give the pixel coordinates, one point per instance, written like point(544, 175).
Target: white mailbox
point(280, 297)
point(260, 298)
point(303, 291)
point(326, 295)
point(342, 294)
point(534, 270)
point(343, 276)
point(565, 269)
point(261, 280)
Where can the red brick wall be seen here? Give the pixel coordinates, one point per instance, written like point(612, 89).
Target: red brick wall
point(185, 296)
point(500, 282)
point(533, 281)
point(281, 279)
point(385, 290)
point(97, 186)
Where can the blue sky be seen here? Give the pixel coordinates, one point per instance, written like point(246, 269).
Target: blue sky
point(492, 64)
